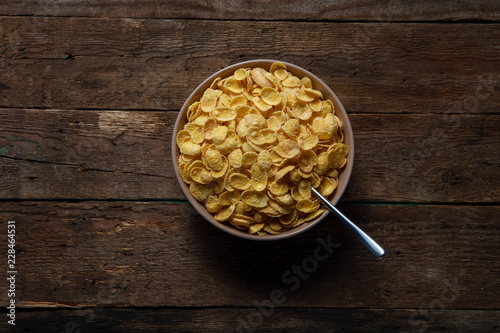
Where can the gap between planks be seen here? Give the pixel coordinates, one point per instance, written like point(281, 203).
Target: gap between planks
point(61, 306)
point(357, 203)
point(16, 108)
point(441, 21)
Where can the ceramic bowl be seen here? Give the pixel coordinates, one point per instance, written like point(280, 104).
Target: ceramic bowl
point(327, 94)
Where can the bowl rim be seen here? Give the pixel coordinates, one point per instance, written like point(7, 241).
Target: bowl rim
point(300, 72)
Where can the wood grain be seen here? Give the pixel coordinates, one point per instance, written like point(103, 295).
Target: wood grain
point(290, 320)
point(372, 10)
point(105, 240)
point(81, 63)
point(155, 254)
point(63, 154)
point(87, 154)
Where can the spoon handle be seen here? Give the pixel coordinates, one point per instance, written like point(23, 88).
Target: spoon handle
point(374, 248)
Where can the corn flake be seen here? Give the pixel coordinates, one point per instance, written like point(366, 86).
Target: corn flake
point(225, 213)
point(235, 158)
point(270, 96)
point(219, 134)
point(287, 148)
point(222, 113)
point(254, 198)
point(292, 127)
point(239, 181)
point(240, 74)
point(209, 99)
point(308, 141)
point(259, 77)
point(259, 177)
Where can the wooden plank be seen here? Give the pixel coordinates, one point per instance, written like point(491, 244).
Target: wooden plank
point(163, 254)
point(62, 154)
point(419, 10)
point(79, 63)
point(87, 154)
point(276, 320)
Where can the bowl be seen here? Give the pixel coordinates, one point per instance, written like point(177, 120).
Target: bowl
point(317, 84)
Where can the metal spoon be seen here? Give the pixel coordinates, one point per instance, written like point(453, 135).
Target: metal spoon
point(374, 248)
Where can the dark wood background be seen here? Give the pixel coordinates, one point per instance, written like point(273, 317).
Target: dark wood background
point(106, 241)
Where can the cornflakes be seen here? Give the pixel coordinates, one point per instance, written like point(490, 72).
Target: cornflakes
point(254, 145)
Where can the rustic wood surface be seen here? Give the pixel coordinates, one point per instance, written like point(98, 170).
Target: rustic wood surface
point(283, 320)
point(121, 64)
point(314, 10)
point(115, 253)
point(106, 241)
point(126, 155)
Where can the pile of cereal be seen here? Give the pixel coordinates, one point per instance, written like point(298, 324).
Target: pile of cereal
point(255, 143)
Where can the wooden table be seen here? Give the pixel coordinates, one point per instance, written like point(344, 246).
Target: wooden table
point(105, 239)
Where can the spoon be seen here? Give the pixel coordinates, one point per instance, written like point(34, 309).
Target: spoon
point(374, 248)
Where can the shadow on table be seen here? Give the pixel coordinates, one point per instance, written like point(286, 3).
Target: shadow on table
point(318, 257)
